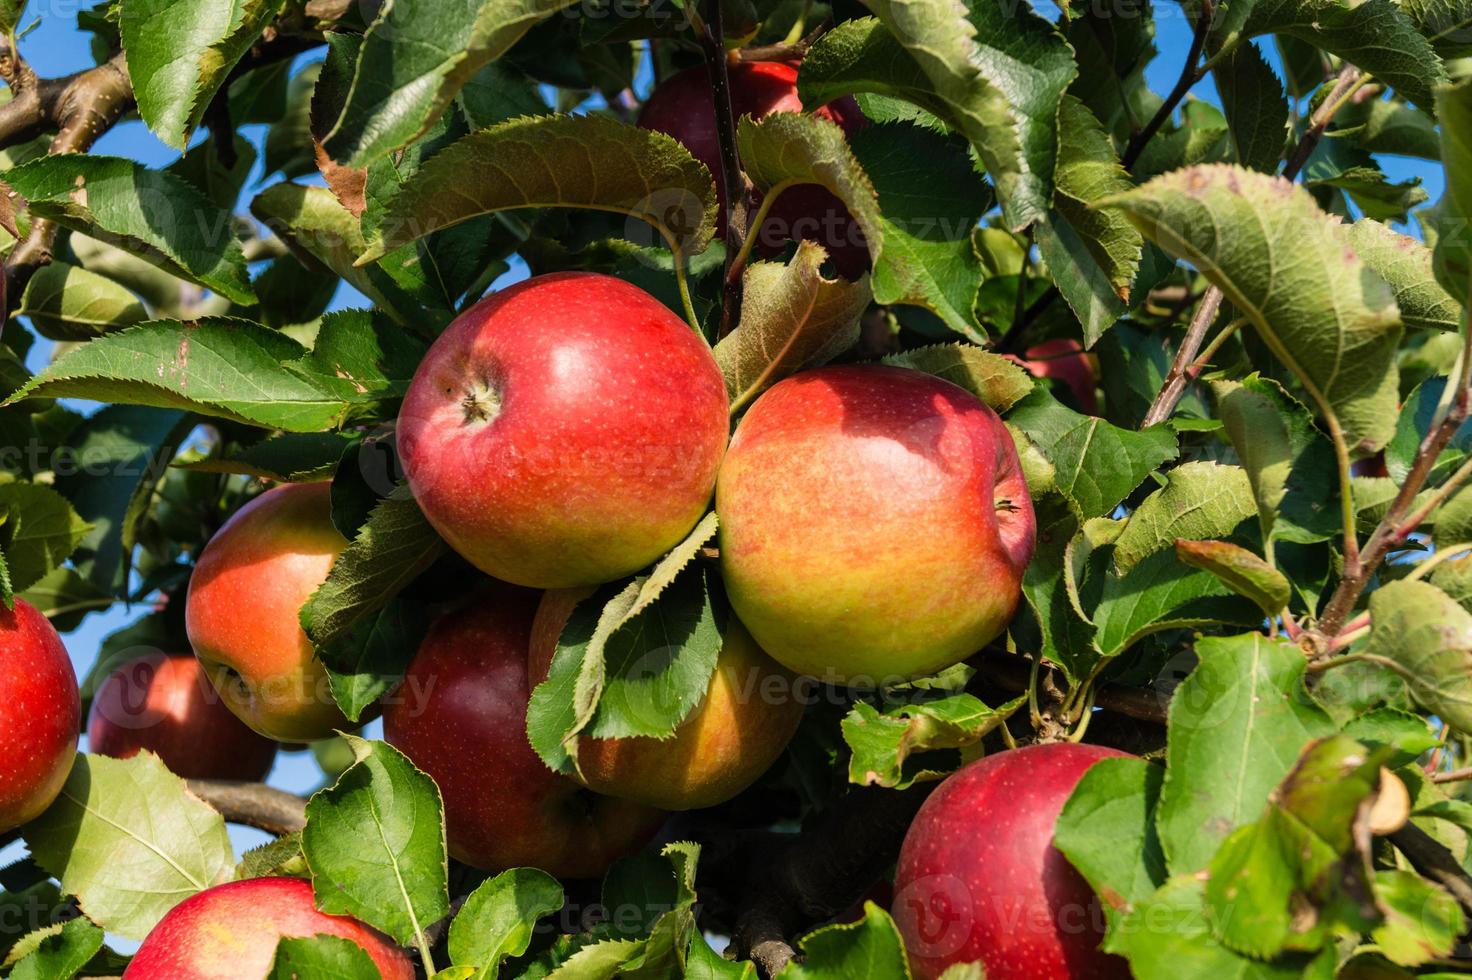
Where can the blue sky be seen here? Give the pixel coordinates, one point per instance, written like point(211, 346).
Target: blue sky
point(56, 47)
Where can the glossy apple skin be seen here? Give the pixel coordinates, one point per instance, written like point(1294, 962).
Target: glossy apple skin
point(166, 704)
point(750, 712)
point(230, 932)
point(248, 587)
point(682, 107)
point(565, 431)
point(1065, 360)
point(874, 523)
point(460, 715)
point(979, 879)
point(40, 713)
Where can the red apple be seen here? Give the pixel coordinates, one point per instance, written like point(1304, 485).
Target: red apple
point(979, 879)
point(875, 523)
point(749, 714)
point(1065, 360)
point(164, 703)
point(682, 106)
point(460, 715)
point(230, 932)
point(565, 431)
point(249, 585)
point(40, 712)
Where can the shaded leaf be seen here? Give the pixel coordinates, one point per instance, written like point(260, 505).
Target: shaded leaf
point(994, 379)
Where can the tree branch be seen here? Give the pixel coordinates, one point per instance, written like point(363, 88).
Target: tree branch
point(1349, 77)
point(1433, 861)
point(1176, 379)
point(738, 189)
point(253, 805)
point(1190, 75)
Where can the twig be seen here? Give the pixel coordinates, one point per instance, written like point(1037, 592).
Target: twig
point(738, 191)
point(1014, 673)
point(253, 805)
point(1452, 776)
point(1191, 73)
point(1176, 379)
point(1349, 78)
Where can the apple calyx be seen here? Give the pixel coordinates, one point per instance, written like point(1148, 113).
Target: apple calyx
point(481, 402)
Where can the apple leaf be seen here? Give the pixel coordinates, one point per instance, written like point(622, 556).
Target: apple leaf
point(497, 919)
point(1107, 832)
point(1418, 415)
point(1405, 264)
point(651, 900)
point(555, 161)
point(56, 952)
point(364, 357)
point(1256, 111)
point(413, 61)
point(1288, 268)
point(1162, 593)
point(869, 949)
point(289, 457)
point(39, 531)
point(1239, 570)
point(704, 963)
point(179, 54)
point(130, 842)
point(366, 663)
point(321, 957)
point(1201, 499)
point(1095, 464)
point(1422, 920)
point(68, 302)
point(7, 590)
point(375, 841)
point(279, 857)
point(1066, 637)
point(890, 746)
point(216, 366)
point(1428, 635)
point(991, 377)
point(390, 550)
point(64, 597)
point(153, 214)
point(791, 318)
point(1452, 254)
point(1237, 723)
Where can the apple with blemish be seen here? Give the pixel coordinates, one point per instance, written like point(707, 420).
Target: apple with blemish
point(40, 712)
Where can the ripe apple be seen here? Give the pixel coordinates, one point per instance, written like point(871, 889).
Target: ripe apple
point(460, 715)
point(230, 932)
point(682, 106)
point(565, 431)
point(875, 523)
point(164, 703)
point(249, 585)
point(750, 712)
point(1066, 360)
point(979, 879)
point(40, 712)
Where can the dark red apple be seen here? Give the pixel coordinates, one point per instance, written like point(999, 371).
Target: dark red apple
point(245, 597)
point(1065, 360)
point(682, 106)
point(166, 704)
point(565, 431)
point(979, 879)
point(230, 932)
point(40, 713)
point(875, 523)
point(460, 715)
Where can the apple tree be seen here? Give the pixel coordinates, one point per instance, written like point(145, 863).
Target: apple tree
point(737, 488)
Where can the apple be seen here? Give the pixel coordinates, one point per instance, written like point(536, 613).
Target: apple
point(682, 106)
point(978, 877)
point(460, 715)
point(230, 932)
point(1065, 360)
point(749, 714)
point(564, 431)
point(166, 704)
point(874, 523)
point(40, 714)
point(248, 587)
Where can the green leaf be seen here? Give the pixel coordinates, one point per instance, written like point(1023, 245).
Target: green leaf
point(290, 457)
point(1096, 465)
point(1288, 268)
point(365, 665)
point(412, 62)
point(61, 954)
point(375, 842)
point(389, 552)
point(1405, 264)
point(216, 366)
point(38, 532)
point(1423, 630)
point(321, 957)
point(10, 14)
point(364, 357)
point(130, 842)
point(1161, 593)
point(1256, 111)
point(1239, 570)
point(1388, 126)
point(1452, 257)
point(994, 379)
point(885, 744)
point(555, 161)
point(64, 597)
point(1422, 920)
point(1201, 499)
point(499, 92)
point(179, 54)
point(497, 919)
point(1237, 724)
point(277, 857)
point(869, 949)
point(791, 318)
point(67, 302)
point(1107, 832)
point(154, 214)
point(1048, 585)
point(704, 963)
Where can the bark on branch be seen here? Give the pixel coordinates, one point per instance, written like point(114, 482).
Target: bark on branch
point(253, 805)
